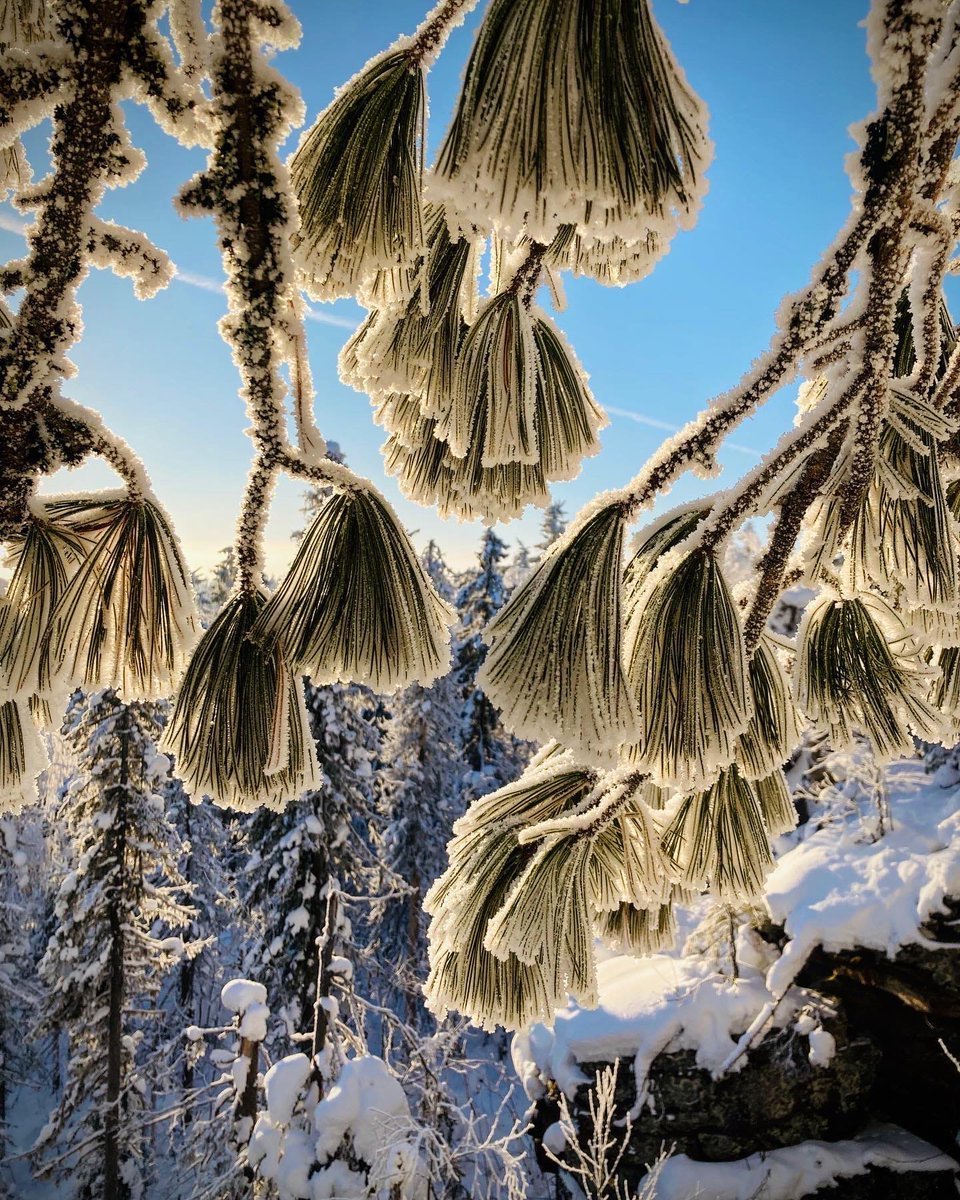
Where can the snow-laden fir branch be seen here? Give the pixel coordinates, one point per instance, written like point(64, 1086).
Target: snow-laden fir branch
point(382, 622)
point(806, 319)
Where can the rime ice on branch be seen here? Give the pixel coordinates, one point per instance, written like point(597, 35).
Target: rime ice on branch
point(97, 55)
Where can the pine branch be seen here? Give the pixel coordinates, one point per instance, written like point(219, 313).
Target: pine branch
point(246, 190)
point(82, 78)
point(792, 510)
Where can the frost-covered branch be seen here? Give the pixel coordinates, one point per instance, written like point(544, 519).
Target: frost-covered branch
point(245, 188)
point(81, 77)
point(356, 603)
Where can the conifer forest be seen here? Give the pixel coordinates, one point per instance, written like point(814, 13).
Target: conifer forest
point(619, 862)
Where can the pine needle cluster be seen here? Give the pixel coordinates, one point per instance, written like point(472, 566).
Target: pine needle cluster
point(99, 597)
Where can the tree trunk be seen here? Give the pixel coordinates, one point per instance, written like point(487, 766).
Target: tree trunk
point(188, 971)
point(413, 946)
point(3, 1084)
point(113, 1187)
point(321, 1018)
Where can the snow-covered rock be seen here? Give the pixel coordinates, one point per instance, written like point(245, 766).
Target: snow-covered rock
point(786, 1063)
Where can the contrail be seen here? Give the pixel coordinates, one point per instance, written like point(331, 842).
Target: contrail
point(12, 223)
point(322, 318)
point(205, 284)
point(654, 423)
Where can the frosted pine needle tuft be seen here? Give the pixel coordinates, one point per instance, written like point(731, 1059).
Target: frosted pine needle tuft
point(23, 22)
point(779, 812)
point(946, 692)
point(614, 262)
point(44, 558)
point(400, 416)
point(239, 731)
point(498, 493)
point(858, 668)
point(357, 605)
point(638, 931)
point(495, 381)
point(905, 534)
point(412, 348)
point(546, 921)
point(127, 618)
point(429, 474)
point(627, 863)
point(417, 459)
point(651, 543)
point(719, 840)
point(486, 861)
point(687, 667)
point(466, 978)
point(546, 789)
point(554, 663)
point(774, 730)
point(22, 758)
point(357, 176)
point(574, 113)
point(568, 418)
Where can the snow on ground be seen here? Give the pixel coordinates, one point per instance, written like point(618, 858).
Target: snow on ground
point(648, 1005)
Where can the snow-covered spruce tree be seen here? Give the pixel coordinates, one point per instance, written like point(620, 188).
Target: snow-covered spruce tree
point(419, 788)
point(320, 841)
point(208, 865)
point(20, 911)
point(491, 756)
point(213, 592)
point(112, 946)
point(552, 527)
point(524, 559)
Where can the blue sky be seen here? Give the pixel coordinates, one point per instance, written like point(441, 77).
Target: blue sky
point(783, 82)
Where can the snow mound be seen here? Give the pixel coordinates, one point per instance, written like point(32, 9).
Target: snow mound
point(240, 994)
point(843, 885)
point(647, 1006)
point(799, 1170)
